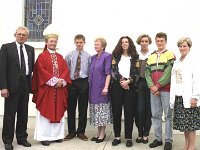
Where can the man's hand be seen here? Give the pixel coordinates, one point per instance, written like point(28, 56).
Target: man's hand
point(154, 89)
point(156, 93)
point(4, 93)
point(59, 84)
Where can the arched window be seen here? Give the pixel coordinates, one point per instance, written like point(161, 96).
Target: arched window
point(38, 15)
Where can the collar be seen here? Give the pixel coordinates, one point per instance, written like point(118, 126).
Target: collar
point(81, 51)
point(51, 51)
point(18, 45)
point(161, 51)
point(143, 57)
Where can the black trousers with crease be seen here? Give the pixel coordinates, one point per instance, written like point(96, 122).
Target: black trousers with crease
point(78, 93)
point(123, 99)
point(143, 118)
point(16, 103)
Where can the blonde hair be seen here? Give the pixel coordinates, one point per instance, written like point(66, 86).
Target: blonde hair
point(184, 39)
point(46, 37)
point(103, 42)
point(142, 36)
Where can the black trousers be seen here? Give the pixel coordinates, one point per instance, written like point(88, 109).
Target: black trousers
point(126, 99)
point(143, 119)
point(78, 92)
point(16, 103)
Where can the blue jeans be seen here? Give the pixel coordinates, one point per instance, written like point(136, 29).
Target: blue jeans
point(158, 105)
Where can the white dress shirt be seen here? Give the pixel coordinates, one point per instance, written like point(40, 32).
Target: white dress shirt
point(25, 56)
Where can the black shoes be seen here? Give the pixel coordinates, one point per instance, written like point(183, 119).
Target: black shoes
point(168, 146)
point(138, 140)
point(8, 147)
point(25, 143)
point(145, 141)
point(94, 138)
point(45, 143)
point(101, 140)
point(115, 142)
point(155, 143)
point(129, 143)
point(58, 141)
point(142, 140)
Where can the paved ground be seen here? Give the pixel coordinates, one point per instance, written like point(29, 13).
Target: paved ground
point(76, 144)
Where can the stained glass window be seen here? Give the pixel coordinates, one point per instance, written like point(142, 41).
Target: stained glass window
point(38, 15)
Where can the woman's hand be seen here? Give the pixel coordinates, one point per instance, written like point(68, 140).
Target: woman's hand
point(124, 84)
point(105, 91)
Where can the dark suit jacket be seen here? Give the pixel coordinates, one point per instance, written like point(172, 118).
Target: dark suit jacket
point(10, 66)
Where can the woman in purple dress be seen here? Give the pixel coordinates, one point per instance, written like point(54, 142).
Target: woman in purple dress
point(99, 97)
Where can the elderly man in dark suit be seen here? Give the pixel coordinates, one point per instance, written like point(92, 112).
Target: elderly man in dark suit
point(16, 66)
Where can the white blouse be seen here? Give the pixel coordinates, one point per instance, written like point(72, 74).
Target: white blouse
point(124, 66)
point(185, 81)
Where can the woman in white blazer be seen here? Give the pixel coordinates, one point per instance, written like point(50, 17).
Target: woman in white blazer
point(185, 92)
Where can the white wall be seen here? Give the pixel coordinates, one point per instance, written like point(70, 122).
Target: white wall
point(10, 16)
point(114, 18)
point(110, 19)
point(11, 13)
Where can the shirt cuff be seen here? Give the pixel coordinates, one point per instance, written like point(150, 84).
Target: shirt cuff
point(52, 81)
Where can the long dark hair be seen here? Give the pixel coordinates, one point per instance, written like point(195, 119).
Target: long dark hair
point(118, 51)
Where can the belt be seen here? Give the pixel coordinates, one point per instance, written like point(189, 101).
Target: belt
point(80, 79)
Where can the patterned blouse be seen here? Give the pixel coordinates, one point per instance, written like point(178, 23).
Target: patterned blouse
point(134, 69)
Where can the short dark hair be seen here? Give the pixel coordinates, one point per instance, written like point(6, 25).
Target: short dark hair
point(161, 35)
point(79, 36)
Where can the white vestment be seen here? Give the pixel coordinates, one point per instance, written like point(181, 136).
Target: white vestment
point(46, 131)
